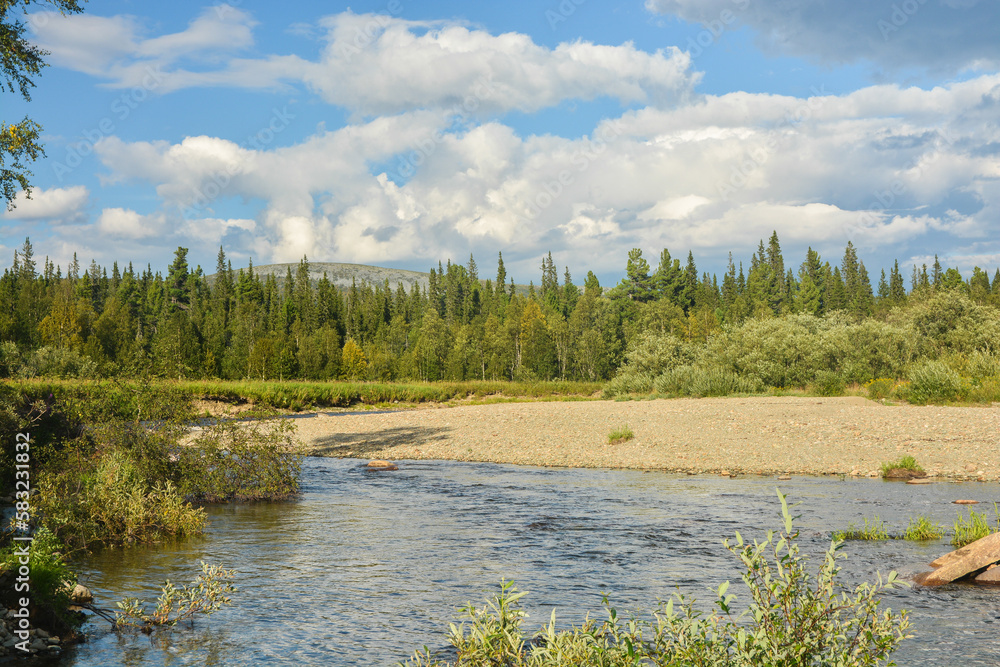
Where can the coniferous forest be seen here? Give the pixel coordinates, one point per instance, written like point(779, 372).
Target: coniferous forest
point(118, 321)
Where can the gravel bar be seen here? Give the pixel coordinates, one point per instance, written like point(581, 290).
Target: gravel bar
point(758, 435)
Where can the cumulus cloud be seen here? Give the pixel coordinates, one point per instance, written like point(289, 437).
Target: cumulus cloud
point(116, 48)
point(939, 35)
point(126, 223)
point(379, 65)
point(372, 64)
point(54, 205)
point(884, 167)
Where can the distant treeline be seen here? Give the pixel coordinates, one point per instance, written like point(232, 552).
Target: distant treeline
point(124, 322)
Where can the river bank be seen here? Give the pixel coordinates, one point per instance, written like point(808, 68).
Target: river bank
point(753, 435)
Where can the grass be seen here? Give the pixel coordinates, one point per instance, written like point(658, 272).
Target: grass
point(298, 395)
point(620, 435)
point(975, 527)
point(922, 529)
point(874, 530)
point(905, 463)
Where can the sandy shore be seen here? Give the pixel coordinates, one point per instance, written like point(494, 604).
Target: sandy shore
point(761, 435)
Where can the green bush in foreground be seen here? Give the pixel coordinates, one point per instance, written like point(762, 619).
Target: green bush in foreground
point(208, 594)
point(793, 619)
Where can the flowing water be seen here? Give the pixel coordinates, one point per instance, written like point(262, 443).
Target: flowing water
point(366, 567)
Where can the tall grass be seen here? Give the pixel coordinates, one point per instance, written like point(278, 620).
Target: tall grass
point(975, 527)
point(299, 394)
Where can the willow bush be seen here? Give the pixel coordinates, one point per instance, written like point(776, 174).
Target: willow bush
point(793, 619)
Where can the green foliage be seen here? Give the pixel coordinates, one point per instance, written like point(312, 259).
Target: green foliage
point(49, 576)
point(243, 461)
point(207, 595)
point(906, 462)
point(974, 527)
point(829, 383)
point(102, 498)
point(874, 530)
point(934, 381)
point(621, 434)
point(880, 388)
point(793, 619)
point(922, 529)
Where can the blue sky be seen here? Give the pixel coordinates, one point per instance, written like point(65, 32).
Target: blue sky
point(398, 133)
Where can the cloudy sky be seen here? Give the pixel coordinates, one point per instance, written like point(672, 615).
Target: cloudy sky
point(399, 133)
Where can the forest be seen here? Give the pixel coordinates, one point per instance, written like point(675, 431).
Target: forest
point(123, 322)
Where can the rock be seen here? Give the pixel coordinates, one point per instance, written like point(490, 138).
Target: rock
point(54, 640)
point(903, 473)
point(961, 562)
point(37, 645)
point(970, 468)
point(379, 464)
point(81, 594)
point(965, 502)
point(919, 480)
point(990, 576)
point(41, 633)
point(784, 478)
point(724, 473)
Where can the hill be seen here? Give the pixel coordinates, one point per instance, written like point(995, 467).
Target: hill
point(341, 274)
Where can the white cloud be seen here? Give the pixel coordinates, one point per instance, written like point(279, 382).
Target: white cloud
point(372, 64)
point(126, 223)
point(54, 205)
point(941, 36)
point(884, 167)
point(116, 49)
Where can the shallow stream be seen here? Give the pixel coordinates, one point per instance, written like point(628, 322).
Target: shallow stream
point(367, 566)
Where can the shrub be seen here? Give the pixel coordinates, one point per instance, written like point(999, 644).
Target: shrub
point(880, 388)
point(49, 576)
point(792, 619)
point(934, 381)
point(921, 529)
point(241, 461)
point(106, 501)
point(207, 595)
point(60, 362)
point(829, 383)
point(619, 435)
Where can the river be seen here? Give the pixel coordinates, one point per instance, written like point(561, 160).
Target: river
point(366, 567)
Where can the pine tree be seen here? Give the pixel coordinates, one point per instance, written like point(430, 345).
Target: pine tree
point(897, 292)
point(637, 282)
point(177, 277)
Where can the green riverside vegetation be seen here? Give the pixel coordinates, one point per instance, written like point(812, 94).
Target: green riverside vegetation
point(974, 527)
point(793, 618)
point(670, 331)
point(120, 465)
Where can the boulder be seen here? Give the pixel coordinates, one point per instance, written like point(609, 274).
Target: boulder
point(379, 464)
point(961, 562)
point(965, 502)
point(81, 594)
point(990, 576)
point(919, 480)
point(903, 473)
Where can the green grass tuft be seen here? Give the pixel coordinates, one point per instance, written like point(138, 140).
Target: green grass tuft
point(922, 529)
point(619, 435)
point(906, 463)
point(874, 530)
point(975, 527)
